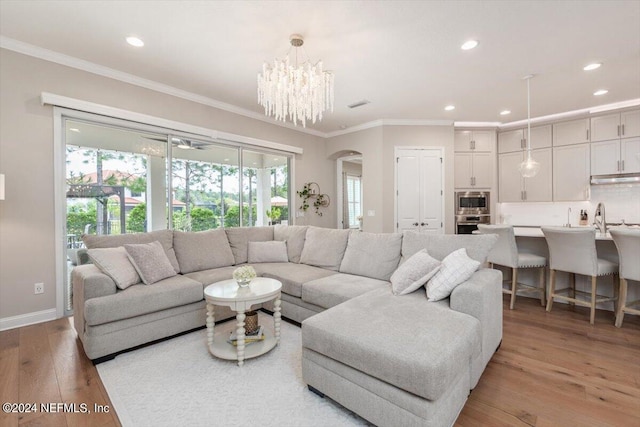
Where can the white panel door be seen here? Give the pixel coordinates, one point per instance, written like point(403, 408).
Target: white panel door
point(431, 189)
point(408, 190)
point(419, 191)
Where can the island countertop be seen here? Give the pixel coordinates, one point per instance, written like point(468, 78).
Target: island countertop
point(536, 231)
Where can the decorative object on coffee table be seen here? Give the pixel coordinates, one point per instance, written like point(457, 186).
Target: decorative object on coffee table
point(251, 322)
point(227, 293)
point(243, 275)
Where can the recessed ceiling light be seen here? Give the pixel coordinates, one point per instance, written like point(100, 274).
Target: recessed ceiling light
point(450, 107)
point(74, 129)
point(134, 41)
point(600, 92)
point(469, 44)
point(505, 112)
point(593, 66)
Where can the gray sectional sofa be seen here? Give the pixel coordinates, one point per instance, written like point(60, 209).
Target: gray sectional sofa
point(394, 360)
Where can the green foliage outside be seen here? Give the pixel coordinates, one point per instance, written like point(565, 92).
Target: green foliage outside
point(137, 220)
point(78, 216)
point(232, 216)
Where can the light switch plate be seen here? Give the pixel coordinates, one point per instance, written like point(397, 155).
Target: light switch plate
point(371, 213)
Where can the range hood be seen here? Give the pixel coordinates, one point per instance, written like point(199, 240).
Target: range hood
point(620, 178)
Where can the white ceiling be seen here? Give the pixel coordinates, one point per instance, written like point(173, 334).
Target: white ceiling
point(403, 56)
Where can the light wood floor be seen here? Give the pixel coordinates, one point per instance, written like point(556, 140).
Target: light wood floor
point(553, 369)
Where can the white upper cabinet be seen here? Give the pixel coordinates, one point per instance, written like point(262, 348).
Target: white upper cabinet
point(615, 126)
point(473, 170)
point(540, 187)
point(605, 157)
point(516, 140)
point(474, 140)
point(630, 155)
point(571, 132)
point(571, 172)
point(514, 188)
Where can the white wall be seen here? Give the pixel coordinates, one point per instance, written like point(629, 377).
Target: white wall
point(27, 247)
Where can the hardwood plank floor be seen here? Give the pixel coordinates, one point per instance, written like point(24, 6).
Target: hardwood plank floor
point(552, 369)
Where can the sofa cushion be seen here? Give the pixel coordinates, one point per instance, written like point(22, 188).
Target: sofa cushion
point(338, 288)
point(294, 235)
point(115, 263)
point(273, 251)
point(374, 255)
point(213, 275)
point(140, 299)
point(441, 245)
point(202, 250)
point(292, 276)
point(437, 343)
point(150, 261)
point(456, 268)
point(165, 237)
point(414, 272)
point(239, 238)
point(324, 247)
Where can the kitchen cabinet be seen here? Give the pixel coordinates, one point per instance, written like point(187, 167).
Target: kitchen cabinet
point(514, 188)
point(473, 170)
point(571, 132)
point(615, 126)
point(616, 156)
point(473, 140)
point(571, 172)
point(516, 140)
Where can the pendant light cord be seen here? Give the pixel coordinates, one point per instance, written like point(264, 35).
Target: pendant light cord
point(528, 119)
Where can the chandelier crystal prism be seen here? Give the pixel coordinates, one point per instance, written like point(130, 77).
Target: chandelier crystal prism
point(529, 168)
point(295, 92)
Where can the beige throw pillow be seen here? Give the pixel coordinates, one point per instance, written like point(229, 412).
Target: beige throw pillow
point(150, 261)
point(414, 273)
point(274, 251)
point(115, 263)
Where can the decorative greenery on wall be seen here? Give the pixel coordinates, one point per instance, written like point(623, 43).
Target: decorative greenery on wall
point(310, 193)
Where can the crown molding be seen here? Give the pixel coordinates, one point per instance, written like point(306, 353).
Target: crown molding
point(476, 124)
point(90, 67)
point(389, 122)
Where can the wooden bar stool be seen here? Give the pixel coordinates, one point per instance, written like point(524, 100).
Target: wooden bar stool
point(573, 250)
point(505, 253)
point(628, 243)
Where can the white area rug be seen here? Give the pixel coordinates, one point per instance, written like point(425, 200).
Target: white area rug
point(178, 383)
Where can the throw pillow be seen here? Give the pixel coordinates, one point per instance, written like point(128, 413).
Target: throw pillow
point(150, 261)
point(374, 255)
point(115, 263)
point(324, 247)
point(455, 269)
point(414, 273)
point(202, 250)
point(274, 251)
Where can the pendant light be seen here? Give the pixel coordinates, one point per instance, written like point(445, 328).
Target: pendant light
point(529, 168)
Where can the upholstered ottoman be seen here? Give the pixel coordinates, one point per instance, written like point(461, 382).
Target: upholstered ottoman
point(394, 360)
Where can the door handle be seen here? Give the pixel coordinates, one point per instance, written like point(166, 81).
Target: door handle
point(422, 224)
point(623, 130)
point(618, 169)
point(622, 170)
point(415, 224)
point(618, 130)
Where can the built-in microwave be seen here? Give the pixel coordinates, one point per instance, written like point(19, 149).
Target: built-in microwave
point(472, 202)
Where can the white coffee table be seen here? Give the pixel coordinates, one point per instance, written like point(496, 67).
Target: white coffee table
point(228, 293)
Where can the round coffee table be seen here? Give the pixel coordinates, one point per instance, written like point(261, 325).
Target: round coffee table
point(228, 293)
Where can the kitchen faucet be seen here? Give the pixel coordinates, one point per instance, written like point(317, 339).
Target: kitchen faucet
point(599, 218)
point(568, 224)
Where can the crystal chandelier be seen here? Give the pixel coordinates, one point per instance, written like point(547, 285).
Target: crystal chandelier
point(529, 168)
point(299, 92)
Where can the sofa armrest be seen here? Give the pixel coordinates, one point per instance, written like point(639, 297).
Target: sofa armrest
point(88, 282)
point(481, 297)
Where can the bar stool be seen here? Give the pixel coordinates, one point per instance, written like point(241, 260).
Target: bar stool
point(573, 250)
point(505, 253)
point(628, 243)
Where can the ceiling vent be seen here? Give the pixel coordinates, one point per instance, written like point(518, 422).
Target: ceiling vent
point(359, 104)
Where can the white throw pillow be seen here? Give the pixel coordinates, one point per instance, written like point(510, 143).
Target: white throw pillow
point(414, 273)
point(274, 251)
point(115, 263)
point(456, 268)
point(150, 261)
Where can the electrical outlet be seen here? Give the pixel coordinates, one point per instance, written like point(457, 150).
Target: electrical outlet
point(38, 288)
point(299, 214)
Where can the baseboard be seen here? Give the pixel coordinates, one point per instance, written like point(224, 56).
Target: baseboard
point(27, 319)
